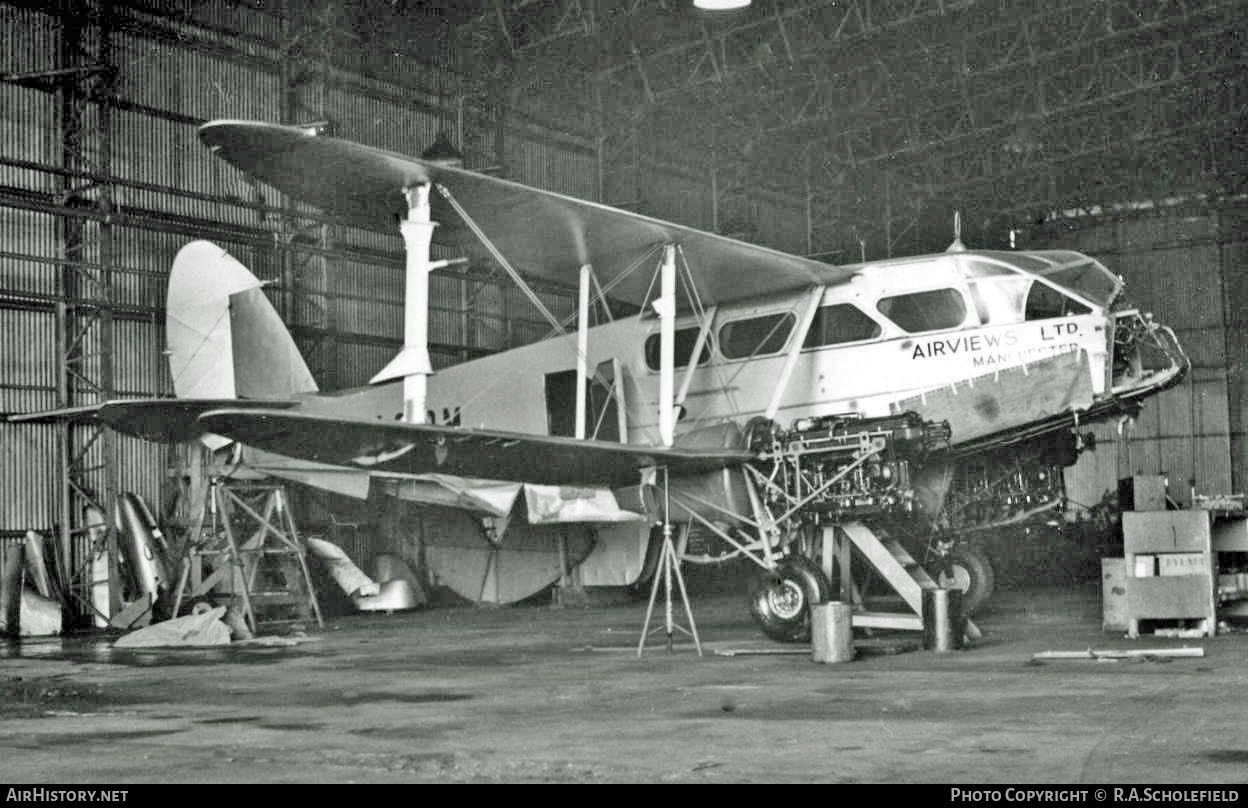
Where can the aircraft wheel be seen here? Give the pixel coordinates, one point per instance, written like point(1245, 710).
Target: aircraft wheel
point(780, 599)
point(968, 570)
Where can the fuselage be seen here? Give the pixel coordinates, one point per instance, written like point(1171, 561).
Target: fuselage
point(899, 330)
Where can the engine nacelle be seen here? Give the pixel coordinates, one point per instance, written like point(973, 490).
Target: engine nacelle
point(717, 496)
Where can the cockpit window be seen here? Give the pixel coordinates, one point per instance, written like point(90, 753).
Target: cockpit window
point(838, 324)
point(755, 336)
point(1075, 272)
point(685, 339)
point(1086, 279)
point(1045, 302)
point(925, 311)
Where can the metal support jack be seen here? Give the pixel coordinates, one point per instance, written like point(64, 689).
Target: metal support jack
point(669, 568)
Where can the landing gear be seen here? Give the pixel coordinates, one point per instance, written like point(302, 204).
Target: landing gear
point(780, 599)
point(967, 570)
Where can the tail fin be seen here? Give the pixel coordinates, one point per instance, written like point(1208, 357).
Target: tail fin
point(225, 338)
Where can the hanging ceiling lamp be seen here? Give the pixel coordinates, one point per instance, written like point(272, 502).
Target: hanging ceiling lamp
point(720, 5)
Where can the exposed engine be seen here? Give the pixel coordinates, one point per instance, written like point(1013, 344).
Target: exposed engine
point(843, 467)
point(1007, 484)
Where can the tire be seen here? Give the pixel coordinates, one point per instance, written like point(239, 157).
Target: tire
point(780, 599)
point(968, 570)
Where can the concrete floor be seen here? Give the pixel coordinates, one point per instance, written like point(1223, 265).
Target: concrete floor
point(535, 694)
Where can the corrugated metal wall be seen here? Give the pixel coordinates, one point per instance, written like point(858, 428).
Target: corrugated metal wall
point(781, 222)
point(1235, 278)
point(677, 197)
point(340, 289)
point(1185, 266)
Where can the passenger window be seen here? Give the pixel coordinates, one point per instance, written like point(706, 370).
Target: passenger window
point(1045, 303)
point(756, 336)
point(925, 311)
point(841, 323)
point(685, 339)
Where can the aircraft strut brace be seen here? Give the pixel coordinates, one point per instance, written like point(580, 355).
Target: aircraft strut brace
point(813, 299)
point(666, 308)
point(502, 260)
point(582, 348)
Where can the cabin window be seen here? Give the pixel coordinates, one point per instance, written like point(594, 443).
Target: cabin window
point(838, 324)
point(755, 336)
point(1045, 303)
point(925, 311)
point(685, 339)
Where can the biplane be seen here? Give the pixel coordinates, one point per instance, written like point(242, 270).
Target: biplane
point(749, 397)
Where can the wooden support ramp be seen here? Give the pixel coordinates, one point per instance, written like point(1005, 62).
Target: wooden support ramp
point(894, 564)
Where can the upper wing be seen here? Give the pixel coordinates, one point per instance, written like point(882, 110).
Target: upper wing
point(424, 448)
point(545, 234)
point(166, 420)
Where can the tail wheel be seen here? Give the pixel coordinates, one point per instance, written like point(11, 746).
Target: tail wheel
point(780, 599)
point(968, 570)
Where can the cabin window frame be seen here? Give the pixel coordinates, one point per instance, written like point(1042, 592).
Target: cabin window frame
point(788, 337)
point(708, 348)
point(978, 295)
point(1048, 263)
point(969, 313)
point(1073, 306)
point(881, 334)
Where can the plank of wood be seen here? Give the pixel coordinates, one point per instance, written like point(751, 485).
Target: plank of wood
point(1130, 653)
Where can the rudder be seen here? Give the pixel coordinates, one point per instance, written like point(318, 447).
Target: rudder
point(225, 339)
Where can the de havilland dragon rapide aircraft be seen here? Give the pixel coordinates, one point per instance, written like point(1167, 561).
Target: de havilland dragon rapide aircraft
point(758, 405)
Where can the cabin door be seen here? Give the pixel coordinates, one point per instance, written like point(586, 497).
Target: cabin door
point(604, 410)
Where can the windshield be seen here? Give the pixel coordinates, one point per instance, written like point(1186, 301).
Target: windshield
point(1072, 271)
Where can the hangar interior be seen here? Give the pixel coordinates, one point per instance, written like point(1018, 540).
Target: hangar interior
point(844, 130)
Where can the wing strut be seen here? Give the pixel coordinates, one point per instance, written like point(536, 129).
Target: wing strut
point(708, 316)
point(582, 349)
point(666, 307)
point(799, 339)
point(582, 333)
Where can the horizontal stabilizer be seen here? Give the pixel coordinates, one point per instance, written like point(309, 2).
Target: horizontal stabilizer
point(165, 420)
point(423, 448)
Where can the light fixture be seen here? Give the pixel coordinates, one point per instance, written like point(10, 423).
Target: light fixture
point(720, 5)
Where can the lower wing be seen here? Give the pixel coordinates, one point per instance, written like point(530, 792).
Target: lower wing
point(423, 448)
point(166, 420)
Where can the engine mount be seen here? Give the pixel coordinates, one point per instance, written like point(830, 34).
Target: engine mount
point(843, 467)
